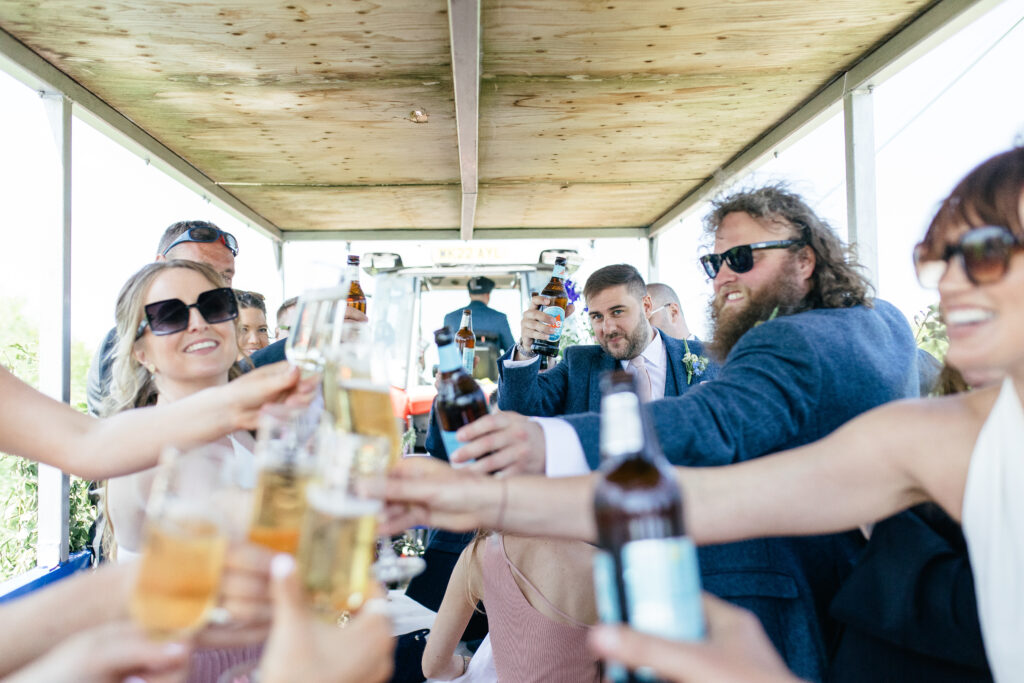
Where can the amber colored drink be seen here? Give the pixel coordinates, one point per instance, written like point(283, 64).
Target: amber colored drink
point(336, 551)
point(356, 297)
point(279, 505)
point(361, 407)
point(178, 576)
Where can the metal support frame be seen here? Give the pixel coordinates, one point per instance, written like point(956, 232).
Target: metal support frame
point(861, 207)
point(940, 21)
point(653, 262)
point(55, 345)
point(442, 234)
point(464, 28)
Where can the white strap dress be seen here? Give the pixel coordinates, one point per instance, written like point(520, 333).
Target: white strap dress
point(993, 523)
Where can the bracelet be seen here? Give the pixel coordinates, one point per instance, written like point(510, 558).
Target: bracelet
point(501, 506)
point(525, 353)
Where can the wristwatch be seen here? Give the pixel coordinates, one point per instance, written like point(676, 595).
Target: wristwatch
point(525, 353)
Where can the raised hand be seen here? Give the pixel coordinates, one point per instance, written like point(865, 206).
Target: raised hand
point(736, 650)
point(504, 443)
point(537, 325)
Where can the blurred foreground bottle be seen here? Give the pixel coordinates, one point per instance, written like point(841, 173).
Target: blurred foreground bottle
point(460, 400)
point(646, 574)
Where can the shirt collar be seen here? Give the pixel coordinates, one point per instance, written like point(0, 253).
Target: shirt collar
point(654, 353)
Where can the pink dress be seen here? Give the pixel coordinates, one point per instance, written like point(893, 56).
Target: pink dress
point(528, 646)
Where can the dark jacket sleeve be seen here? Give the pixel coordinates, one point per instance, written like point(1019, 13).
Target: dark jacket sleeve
point(913, 587)
point(100, 372)
point(528, 391)
point(269, 354)
point(760, 400)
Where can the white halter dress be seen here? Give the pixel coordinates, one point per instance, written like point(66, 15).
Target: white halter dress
point(993, 523)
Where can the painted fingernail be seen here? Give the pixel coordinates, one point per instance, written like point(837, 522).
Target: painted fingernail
point(282, 565)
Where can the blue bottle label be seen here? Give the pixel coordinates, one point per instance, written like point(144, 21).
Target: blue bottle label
point(558, 313)
point(559, 272)
point(661, 579)
point(451, 444)
point(448, 357)
point(467, 360)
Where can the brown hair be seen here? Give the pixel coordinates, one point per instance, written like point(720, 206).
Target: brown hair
point(173, 230)
point(612, 276)
point(836, 281)
point(988, 195)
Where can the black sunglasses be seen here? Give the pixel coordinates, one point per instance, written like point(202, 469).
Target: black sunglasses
point(740, 259)
point(984, 253)
point(204, 232)
point(171, 315)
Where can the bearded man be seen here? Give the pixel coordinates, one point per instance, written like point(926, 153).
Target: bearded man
point(804, 348)
point(617, 307)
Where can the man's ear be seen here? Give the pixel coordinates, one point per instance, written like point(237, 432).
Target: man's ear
point(648, 305)
point(806, 260)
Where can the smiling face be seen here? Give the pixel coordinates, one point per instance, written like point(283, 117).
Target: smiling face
point(619, 321)
point(253, 333)
point(985, 323)
point(197, 357)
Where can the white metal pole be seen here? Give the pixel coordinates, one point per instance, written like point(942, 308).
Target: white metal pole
point(861, 210)
point(55, 344)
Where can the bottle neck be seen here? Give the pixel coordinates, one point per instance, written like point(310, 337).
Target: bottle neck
point(559, 272)
point(467, 321)
point(449, 357)
point(352, 272)
point(622, 427)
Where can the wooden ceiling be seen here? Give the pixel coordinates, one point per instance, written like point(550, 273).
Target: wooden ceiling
point(591, 114)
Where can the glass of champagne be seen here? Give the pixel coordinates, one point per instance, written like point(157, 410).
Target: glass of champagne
point(185, 540)
point(284, 458)
point(314, 327)
point(338, 540)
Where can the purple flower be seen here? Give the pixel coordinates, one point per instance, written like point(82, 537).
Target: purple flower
point(570, 291)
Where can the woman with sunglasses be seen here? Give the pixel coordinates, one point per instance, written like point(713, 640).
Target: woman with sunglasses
point(176, 336)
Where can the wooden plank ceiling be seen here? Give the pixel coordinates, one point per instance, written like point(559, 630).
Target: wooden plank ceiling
point(592, 114)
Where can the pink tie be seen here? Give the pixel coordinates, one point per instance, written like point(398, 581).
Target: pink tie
point(643, 380)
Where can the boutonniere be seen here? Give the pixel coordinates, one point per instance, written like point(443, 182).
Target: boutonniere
point(695, 365)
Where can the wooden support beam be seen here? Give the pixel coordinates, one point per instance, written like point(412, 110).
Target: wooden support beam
point(464, 27)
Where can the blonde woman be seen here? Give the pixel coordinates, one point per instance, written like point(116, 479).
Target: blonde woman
point(176, 336)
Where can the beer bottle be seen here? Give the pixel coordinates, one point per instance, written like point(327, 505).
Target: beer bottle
point(646, 573)
point(466, 341)
point(356, 298)
point(558, 301)
point(460, 400)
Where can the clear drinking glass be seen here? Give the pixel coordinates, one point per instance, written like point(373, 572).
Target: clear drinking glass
point(315, 325)
point(338, 540)
point(285, 447)
point(185, 540)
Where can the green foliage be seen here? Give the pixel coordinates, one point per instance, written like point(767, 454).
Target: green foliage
point(19, 352)
point(930, 332)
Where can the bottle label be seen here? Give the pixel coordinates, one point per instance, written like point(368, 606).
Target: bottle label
point(558, 313)
point(467, 360)
point(661, 580)
point(448, 357)
point(559, 272)
point(451, 444)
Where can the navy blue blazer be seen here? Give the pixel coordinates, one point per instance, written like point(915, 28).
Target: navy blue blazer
point(486, 322)
point(574, 384)
point(787, 382)
point(269, 354)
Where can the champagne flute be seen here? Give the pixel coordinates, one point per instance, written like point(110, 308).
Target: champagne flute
point(338, 539)
point(185, 541)
point(314, 327)
point(284, 458)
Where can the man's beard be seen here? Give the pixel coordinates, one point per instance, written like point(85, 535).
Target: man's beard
point(729, 324)
point(638, 340)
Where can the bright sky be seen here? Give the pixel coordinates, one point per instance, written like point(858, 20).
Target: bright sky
point(933, 122)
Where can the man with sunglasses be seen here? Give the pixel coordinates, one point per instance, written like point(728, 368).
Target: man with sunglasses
point(199, 241)
point(804, 349)
point(667, 313)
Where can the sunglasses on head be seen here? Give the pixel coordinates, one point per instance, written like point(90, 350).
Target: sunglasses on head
point(204, 232)
point(740, 259)
point(171, 315)
point(984, 254)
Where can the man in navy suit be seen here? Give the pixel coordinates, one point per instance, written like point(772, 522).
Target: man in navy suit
point(804, 349)
point(487, 322)
point(618, 307)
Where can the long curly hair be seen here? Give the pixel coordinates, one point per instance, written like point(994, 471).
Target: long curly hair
point(131, 385)
point(837, 281)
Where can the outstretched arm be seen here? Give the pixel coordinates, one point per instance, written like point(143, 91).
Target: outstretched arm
point(460, 598)
point(38, 427)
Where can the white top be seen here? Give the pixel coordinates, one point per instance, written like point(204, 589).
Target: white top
point(993, 523)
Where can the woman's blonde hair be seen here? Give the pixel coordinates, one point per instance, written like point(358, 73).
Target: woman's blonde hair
point(131, 384)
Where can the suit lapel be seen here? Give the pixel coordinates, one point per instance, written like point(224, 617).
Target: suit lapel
point(675, 376)
point(603, 364)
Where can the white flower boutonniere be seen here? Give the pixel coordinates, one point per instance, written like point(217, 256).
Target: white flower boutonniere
point(695, 365)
